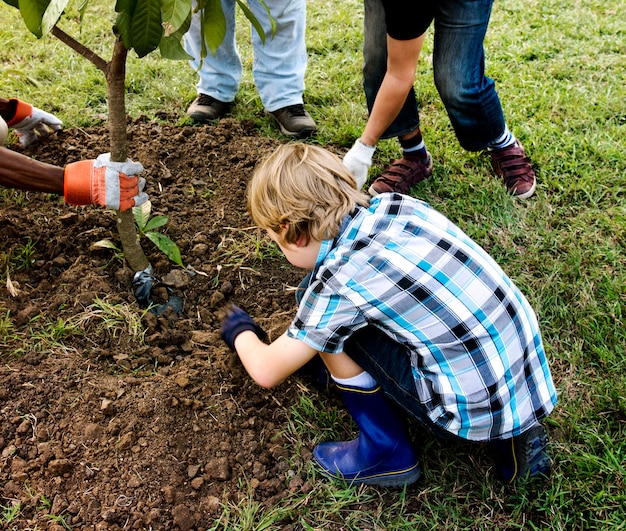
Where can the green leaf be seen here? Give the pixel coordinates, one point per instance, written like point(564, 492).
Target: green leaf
point(104, 244)
point(52, 14)
point(123, 27)
point(13, 3)
point(171, 47)
point(146, 29)
point(166, 246)
point(127, 6)
point(255, 21)
point(32, 12)
point(213, 24)
point(155, 223)
point(174, 13)
point(141, 214)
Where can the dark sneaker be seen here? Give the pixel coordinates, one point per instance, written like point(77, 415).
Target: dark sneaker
point(293, 120)
point(513, 166)
point(206, 108)
point(401, 175)
point(525, 455)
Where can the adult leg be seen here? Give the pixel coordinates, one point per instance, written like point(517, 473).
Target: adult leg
point(219, 75)
point(280, 64)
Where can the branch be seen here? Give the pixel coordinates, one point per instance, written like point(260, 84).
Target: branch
point(80, 48)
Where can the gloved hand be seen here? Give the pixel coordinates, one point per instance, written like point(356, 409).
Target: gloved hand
point(238, 321)
point(100, 181)
point(358, 161)
point(30, 122)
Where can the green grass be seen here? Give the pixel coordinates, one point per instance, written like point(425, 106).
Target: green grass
point(560, 68)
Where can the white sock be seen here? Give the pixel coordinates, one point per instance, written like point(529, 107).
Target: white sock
point(506, 139)
point(421, 145)
point(363, 381)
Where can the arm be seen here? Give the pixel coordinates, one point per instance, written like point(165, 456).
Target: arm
point(110, 184)
point(269, 365)
point(402, 58)
point(23, 173)
point(7, 109)
point(29, 122)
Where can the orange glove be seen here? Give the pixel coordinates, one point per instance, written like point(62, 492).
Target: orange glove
point(30, 122)
point(100, 181)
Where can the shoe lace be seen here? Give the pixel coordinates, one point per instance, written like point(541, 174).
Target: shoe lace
point(295, 110)
point(205, 99)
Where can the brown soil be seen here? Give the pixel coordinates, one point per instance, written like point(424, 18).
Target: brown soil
point(112, 432)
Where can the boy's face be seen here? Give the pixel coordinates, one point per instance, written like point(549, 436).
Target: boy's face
point(300, 254)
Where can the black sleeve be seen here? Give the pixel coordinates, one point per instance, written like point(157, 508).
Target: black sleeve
point(407, 19)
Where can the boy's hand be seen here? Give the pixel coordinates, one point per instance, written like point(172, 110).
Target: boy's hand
point(358, 161)
point(30, 122)
point(102, 182)
point(238, 321)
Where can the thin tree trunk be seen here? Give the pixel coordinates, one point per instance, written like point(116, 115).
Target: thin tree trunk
point(115, 73)
point(116, 91)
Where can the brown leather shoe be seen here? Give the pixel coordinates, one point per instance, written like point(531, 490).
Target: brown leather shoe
point(513, 166)
point(401, 175)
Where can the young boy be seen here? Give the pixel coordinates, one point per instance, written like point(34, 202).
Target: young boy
point(405, 310)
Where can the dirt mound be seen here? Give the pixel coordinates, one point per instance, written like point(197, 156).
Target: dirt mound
point(112, 430)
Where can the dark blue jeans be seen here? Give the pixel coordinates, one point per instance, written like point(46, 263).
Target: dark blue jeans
point(470, 97)
point(389, 363)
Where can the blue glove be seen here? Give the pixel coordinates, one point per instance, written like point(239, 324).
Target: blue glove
point(238, 321)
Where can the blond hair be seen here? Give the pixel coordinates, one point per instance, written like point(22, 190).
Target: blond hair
point(303, 187)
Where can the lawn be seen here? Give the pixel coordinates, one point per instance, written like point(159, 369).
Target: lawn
point(560, 69)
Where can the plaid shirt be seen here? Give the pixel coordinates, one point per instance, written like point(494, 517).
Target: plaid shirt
point(478, 361)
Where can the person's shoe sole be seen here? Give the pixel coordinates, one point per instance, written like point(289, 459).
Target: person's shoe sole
point(303, 133)
point(532, 457)
point(527, 194)
point(203, 119)
point(399, 478)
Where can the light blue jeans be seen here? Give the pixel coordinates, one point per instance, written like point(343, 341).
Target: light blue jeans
point(278, 67)
point(469, 96)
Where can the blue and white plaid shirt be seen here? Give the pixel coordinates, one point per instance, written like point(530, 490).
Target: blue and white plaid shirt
point(478, 361)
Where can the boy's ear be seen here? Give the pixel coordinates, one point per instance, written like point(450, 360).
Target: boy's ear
point(302, 241)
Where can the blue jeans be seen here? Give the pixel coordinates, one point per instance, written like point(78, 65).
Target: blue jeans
point(470, 97)
point(278, 67)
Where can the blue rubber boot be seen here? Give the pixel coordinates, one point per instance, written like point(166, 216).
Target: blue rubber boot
point(523, 456)
point(381, 455)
